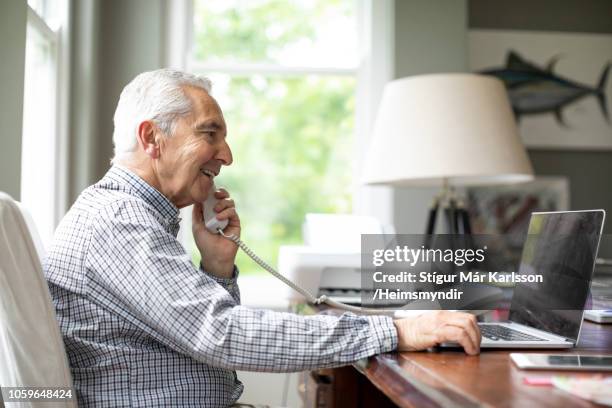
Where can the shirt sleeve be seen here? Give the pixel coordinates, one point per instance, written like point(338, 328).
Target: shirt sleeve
point(230, 284)
point(143, 274)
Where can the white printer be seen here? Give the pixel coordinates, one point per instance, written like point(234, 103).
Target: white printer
point(329, 262)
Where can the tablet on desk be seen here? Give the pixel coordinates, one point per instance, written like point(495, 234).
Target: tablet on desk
point(573, 362)
point(599, 316)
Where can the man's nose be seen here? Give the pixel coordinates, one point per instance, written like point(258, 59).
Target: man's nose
point(225, 155)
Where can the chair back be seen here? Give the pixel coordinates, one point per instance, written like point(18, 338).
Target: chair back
point(32, 352)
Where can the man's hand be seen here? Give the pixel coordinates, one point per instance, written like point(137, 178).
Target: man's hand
point(218, 253)
point(430, 329)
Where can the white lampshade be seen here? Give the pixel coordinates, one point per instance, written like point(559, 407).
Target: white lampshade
point(457, 128)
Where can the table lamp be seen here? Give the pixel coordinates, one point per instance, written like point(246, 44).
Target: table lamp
point(446, 130)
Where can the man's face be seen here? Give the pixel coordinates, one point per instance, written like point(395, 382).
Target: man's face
point(195, 152)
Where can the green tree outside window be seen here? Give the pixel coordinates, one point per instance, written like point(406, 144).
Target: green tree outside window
point(291, 134)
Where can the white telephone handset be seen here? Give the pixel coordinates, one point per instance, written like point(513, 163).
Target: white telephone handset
point(210, 217)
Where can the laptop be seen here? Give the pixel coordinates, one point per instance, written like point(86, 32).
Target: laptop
point(562, 247)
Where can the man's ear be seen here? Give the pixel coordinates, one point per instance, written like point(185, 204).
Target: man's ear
point(147, 139)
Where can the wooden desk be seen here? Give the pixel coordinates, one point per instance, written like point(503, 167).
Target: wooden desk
point(453, 379)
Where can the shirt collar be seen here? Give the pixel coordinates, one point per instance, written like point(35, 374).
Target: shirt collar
point(133, 184)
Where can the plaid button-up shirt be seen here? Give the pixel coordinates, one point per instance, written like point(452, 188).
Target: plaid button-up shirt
point(144, 327)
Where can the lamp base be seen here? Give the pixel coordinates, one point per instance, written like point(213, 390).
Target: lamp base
point(456, 217)
point(456, 221)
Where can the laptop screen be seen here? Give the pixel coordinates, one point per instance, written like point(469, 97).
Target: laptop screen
point(561, 247)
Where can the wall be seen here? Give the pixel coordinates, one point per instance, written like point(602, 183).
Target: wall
point(132, 35)
point(113, 41)
point(84, 95)
point(430, 36)
point(13, 21)
point(589, 172)
point(589, 16)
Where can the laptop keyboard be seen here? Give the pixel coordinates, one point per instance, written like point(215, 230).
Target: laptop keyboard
point(495, 332)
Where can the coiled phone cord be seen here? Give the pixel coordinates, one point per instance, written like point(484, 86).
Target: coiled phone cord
point(309, 296)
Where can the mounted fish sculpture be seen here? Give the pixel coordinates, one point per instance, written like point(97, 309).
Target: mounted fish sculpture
point(534, 90)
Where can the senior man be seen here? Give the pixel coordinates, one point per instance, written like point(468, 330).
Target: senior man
point(144, 327)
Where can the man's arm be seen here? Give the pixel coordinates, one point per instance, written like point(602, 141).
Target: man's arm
point(140, 272)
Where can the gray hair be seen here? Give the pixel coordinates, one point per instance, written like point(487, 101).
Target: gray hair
point(154, 95)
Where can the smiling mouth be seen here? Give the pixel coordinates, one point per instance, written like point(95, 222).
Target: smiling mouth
point(209, 173)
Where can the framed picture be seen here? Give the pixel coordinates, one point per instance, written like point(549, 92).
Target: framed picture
point(558, 83)
point(505, 211)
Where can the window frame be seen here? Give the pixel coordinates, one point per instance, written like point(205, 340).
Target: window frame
point(376, 27)
point(59, 43)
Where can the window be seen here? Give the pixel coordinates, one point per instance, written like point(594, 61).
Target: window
point(285, 75)
point(44, 105)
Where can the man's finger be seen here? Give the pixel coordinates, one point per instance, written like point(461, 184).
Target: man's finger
point(458, 335)
point(221, 193)
point(470, 324)
point(472, 332)
point(231, 215)
point(474, 323)
point(223, 204)
point(464, 321)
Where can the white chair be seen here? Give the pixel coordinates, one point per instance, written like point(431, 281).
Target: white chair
point(32, 352)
